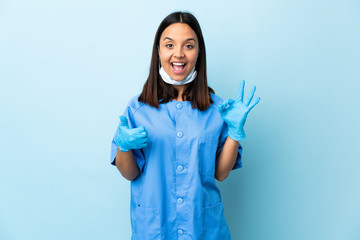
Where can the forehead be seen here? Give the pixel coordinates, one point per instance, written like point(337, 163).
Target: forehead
point(178, 32)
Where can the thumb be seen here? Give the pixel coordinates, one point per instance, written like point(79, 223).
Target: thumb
point(123, 121)
point(225, 104)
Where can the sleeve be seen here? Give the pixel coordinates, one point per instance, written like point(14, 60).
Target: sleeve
point(222, 139)
point(138, 153)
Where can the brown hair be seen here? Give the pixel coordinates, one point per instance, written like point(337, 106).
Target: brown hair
point(157, 91)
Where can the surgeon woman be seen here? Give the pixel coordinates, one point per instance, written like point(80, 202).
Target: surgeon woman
point(176, 137)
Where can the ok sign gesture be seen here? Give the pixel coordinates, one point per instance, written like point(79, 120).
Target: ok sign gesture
point(234, 112)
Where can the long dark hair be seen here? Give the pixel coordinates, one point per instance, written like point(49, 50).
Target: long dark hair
point(156, 91)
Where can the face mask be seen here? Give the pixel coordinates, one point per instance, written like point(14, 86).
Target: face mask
point(166, 78)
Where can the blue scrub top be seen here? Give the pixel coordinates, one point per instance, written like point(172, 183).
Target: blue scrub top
point(175, 195)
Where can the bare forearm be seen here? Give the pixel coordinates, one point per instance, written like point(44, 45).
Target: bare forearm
point(126, 164)
point(226, 159)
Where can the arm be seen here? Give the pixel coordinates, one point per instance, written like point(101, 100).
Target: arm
point(127, 139)
point(126, 164)
point(234, 113)
point(227, 158)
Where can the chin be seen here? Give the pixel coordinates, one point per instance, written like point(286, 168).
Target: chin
point(178, 78)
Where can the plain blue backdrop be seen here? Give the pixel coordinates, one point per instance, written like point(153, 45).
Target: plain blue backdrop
point(68, 68)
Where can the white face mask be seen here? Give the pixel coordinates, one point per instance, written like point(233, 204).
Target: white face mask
point(166, 78)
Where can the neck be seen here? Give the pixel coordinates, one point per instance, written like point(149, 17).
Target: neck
point(180, 89)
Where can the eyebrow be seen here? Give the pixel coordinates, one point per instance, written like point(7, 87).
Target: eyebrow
point(189, 39)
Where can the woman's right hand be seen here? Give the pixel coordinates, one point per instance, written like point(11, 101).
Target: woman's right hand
point(128, 139)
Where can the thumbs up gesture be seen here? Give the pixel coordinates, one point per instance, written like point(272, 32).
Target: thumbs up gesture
point(128, 139)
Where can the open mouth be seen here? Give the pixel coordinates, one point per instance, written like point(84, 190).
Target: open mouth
point(178, 67)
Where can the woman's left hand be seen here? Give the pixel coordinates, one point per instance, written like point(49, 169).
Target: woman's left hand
point(234, 113)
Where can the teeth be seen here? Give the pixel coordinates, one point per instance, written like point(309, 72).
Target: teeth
point(179, 64)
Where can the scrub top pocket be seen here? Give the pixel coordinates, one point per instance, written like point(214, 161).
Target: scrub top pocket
point(214, 225)
point(146, 223)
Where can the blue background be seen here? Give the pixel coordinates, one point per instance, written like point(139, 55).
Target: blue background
point(68, 68)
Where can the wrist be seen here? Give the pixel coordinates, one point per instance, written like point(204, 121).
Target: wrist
point(237, 135)
point(121, 145)
point(123, 149)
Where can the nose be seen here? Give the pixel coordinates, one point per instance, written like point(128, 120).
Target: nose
point(179, 53)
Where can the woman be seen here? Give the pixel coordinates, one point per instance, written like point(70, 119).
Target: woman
point(176, 137)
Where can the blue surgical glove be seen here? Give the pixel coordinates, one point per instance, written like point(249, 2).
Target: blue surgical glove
point(128, 139)
point(234, 113)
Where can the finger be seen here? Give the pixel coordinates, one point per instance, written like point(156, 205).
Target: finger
point(139, 129)
point(241, 91)
point(140, 145)
point(140, 135)
point(250, 97)
point(123, 121)
point(142, 131)
point(254, 103)
point(225, 104)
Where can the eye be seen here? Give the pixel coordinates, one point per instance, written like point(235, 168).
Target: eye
point(189, 46)
point(169, 45)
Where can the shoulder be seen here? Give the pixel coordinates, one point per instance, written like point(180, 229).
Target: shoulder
point(217, 100)
point(134, 104)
